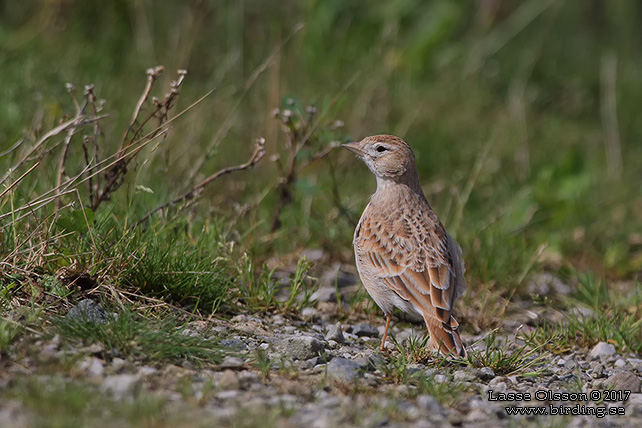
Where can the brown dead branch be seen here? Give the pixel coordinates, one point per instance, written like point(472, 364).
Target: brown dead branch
point(115, 175)
point(257, 155)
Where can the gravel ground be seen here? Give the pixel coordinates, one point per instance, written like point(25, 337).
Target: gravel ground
point(312, 370)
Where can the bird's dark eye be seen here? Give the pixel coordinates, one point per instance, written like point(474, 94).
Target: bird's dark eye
point(381, 149)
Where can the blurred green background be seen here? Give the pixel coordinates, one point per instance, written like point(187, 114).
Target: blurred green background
point(523, 115)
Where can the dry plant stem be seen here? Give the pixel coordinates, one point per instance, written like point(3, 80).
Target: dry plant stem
point(12, 148)
point(57, 130)
point(91, 171)
point(81, 178)
point(152, 75)
point(91, 98)
point(115, 175)
point(296, 139)
point(12, 185)
point(257, 155)
point(70, 133)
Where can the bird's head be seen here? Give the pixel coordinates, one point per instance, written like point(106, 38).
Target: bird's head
point(387, 156)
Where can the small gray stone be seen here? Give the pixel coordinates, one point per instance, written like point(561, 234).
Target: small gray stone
point(121, 384)
point(309, 313)
point(430, 404)
point(596, 369)
point(343, 369)
point(308, 364)
point(118, 363)
point(619, 363)
point(248, 379)
point(486, 374)
point(233, 363)
point(439, 378)
point(636, 363)
point(365, 329)
point(313, 254)
point(464, 376)
point(229, 394)
point(229, 379)
point(412, 369)
point(147, 371)
point(301, 347)
point(88, 311)
point(602, 350)
point(624, 381)
point(336, 333)
point(92, 366)
point(234, 344)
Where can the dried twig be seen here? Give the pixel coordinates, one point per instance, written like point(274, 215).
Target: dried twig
point(12, 185)
point(298, 132)
point(115, 175)
point(70, 133)
point(257, 155)
point(57, 130)
point(152, 75)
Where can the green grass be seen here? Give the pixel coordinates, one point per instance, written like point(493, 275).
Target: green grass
point(614, 318)
point(507, 360)
point(515, 114)
point(152, 341)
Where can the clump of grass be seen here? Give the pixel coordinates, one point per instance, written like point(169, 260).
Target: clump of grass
point(614, 320)
point(149, 340)
point(261, 291)
point(614, 325)
point(177, 267)
point(524, 361)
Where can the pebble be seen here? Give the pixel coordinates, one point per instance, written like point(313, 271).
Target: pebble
point(234, 363)
point(92, 366)
point(229, 379)
point(335, 333)
point(234, 344)
point(602, 350)
point(619, 363)
point(365, 330)
point(430, 404)
point(440, 378)
point(118, 363)
point(624, 381)
point(343, 369)
point(300, 347)
point(309, 313)
point(87, 311)
point(464, 376)
point(147, 371)
point(636, 363)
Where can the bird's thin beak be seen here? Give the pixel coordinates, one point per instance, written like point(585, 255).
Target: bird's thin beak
point(354, 147)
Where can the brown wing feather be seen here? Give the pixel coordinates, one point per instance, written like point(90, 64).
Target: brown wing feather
point(413, 257)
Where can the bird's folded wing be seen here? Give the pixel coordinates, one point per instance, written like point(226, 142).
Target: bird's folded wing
point(429, 290)
point(418, 271)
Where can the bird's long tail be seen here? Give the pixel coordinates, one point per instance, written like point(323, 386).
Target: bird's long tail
point(444, 337)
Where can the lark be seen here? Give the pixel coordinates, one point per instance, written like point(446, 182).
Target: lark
point(404, 256)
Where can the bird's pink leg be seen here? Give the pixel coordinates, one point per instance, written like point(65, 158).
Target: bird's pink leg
point(385, 332)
